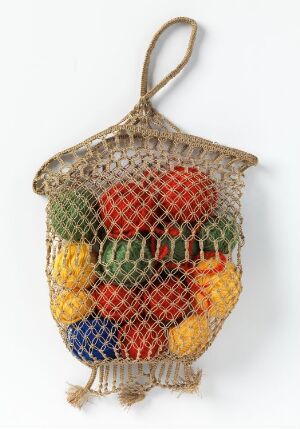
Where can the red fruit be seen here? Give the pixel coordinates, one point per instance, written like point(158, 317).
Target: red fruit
point(186, 195)
point(170, 300)
point(116, 302)
point(201, 303)
point(126, 208)
point(142, 340)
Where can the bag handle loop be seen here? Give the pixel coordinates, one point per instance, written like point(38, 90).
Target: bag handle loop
point(147, 94)
point(42, 176)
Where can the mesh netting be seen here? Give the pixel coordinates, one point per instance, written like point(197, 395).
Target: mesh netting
point(144, 232)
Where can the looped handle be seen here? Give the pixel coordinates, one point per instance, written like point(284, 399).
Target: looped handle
point(147, 94)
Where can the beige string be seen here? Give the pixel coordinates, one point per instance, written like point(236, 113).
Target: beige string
point(77, 395)
point(146, 93)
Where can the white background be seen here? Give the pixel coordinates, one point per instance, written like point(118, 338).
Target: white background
point(72, 68)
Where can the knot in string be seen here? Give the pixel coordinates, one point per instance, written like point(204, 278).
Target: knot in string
point(143, 106)
point(143, 112)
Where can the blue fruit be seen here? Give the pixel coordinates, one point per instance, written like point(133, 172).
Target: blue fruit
point(93, 339)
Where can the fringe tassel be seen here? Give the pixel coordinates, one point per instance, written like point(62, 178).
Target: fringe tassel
point(77, 396)
point(132, 393)
point(126, 380)
point(191, 385)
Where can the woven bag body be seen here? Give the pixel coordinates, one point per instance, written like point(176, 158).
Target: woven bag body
point(144, 233)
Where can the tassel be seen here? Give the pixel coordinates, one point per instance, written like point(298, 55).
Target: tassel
point(190, 386)
point(77, 396)
point(132, 393)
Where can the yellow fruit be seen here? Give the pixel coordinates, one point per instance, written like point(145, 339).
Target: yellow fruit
point(202, 302)
point(190, 336)
point(74, 266)
point(71, 306)
point(224, 291)
point(222, 288)
point(210, 265)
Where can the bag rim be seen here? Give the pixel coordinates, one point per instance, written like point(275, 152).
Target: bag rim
point(175, 137)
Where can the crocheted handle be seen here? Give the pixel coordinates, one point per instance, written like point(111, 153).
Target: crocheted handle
point(147, 94)
point(44, 177)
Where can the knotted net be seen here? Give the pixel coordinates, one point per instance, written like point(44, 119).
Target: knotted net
point(144, 233)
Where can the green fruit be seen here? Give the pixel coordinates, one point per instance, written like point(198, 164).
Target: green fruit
point(222, 231)
point(173, 244)
point(74, 216)
point(124, 262)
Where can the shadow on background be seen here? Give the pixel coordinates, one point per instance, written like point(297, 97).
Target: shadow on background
point(255, 321)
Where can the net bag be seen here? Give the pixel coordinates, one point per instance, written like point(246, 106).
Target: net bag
point(144, 233)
